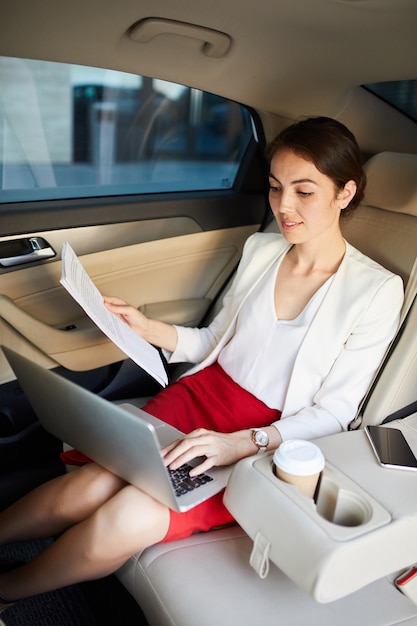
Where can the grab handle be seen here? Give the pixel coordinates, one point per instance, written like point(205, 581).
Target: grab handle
point(215, 43)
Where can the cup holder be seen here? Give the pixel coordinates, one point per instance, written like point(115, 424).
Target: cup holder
point(340, 506)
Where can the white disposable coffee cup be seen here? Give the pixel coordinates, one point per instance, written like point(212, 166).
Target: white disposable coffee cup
point(299, 463)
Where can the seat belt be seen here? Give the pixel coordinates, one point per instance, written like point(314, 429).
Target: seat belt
point(410, 292)
point(405, 411)
point(410, 297)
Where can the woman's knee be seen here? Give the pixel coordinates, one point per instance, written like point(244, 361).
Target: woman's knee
point(85, 489)
point(134, 519)
point(100, 482)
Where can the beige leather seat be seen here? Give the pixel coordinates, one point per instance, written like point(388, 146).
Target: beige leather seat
point(385, 228)
point(206, 579)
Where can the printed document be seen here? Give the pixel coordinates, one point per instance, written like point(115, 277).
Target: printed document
point(78, 283)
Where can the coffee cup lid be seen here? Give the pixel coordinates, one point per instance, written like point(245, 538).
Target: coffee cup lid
point(299, 457)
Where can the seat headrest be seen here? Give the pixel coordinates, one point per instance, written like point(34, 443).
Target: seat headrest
point(392, 182)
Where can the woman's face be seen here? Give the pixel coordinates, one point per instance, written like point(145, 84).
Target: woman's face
point(305, 202)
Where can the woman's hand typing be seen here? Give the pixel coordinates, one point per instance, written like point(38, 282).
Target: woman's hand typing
point(214, 448)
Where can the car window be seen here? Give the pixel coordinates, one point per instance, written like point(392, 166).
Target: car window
point(68, 131)
point(401, 94)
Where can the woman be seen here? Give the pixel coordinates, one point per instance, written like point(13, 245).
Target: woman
point(290, 355)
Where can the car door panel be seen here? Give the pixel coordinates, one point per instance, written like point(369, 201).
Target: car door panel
point(175, 280)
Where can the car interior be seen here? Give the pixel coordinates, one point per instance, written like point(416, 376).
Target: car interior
point(136, 131)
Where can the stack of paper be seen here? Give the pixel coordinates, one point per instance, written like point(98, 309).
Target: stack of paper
point(78, 283)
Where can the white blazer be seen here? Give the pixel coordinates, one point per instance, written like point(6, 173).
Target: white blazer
point(342, 348)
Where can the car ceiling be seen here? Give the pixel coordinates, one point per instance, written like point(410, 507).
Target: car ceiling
point(287, 58)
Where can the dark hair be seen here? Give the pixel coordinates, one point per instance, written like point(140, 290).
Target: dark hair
point(331, 147)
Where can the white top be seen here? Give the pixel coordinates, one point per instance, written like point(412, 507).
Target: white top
point(260, 356)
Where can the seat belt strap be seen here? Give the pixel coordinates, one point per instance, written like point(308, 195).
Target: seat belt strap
point(410, 292)
point(405, 411)
point(410, 297)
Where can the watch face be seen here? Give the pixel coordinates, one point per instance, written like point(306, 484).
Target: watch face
point(261, 438)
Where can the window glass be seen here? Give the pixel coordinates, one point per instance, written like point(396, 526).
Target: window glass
point(69, 131)
point(402, 94)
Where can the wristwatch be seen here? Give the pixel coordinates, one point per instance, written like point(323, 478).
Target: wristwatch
point(260, 439)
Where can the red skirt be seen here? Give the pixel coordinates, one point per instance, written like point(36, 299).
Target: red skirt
point(208, 399)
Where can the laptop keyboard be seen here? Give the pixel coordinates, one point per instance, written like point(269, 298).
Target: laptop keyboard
point(183, 482)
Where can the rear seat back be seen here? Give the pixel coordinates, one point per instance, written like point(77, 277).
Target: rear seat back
point(385, 228)
point(385, 225)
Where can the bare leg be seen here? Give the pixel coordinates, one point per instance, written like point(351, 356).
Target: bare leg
point(93, 548)
point(58, 504)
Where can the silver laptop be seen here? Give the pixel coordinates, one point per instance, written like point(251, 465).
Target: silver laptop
point(122, 438)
